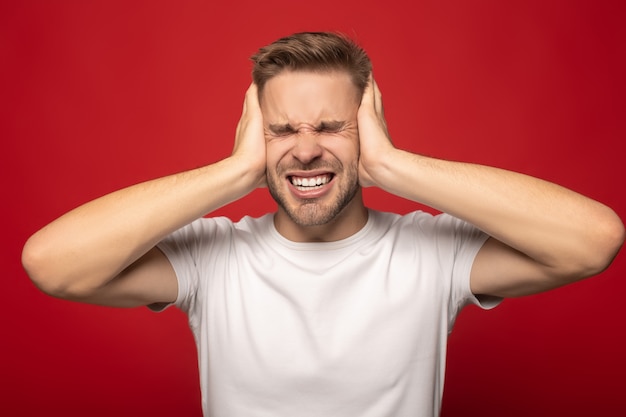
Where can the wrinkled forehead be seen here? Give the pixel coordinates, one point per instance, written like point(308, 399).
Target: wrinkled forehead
point(304, 75)
point(307, 97)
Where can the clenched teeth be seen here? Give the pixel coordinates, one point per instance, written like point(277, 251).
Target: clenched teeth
point(307, 182)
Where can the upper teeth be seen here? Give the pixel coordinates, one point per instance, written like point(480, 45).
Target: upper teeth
point(310, 182)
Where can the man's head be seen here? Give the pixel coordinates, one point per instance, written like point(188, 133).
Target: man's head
point(310, 88)
point(312, 52)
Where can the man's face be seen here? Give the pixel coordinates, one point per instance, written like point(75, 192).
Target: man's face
point(310, 122)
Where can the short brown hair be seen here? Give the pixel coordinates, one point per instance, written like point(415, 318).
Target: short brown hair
point(312, 51)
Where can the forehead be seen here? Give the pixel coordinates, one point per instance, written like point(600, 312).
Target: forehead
point(307, 97)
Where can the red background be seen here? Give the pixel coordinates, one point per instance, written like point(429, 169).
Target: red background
point(99, 95)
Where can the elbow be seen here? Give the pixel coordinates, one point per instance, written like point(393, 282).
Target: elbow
point(38, 268)
point(42, 267)
point(605, 245)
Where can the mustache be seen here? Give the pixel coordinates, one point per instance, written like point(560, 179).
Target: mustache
point(333, 166)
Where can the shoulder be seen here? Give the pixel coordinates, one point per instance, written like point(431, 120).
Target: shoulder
point(424, 228)
point(204, 227)
point(418, 219)
point(221, 225)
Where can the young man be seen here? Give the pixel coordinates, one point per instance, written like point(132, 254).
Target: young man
point(324, 308)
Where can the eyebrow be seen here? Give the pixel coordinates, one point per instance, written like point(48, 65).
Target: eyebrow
point(331, 125)
point(328, 126)
point(281, 129)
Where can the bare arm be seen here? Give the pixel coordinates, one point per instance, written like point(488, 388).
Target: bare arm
point(104, 251)
point(543, 235)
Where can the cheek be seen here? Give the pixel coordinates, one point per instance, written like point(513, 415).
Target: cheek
point(344, 149)
point(275, 151)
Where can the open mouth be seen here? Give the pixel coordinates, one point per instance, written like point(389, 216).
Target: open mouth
point(310, 183)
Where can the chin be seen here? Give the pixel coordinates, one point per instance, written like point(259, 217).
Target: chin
point(310, 214)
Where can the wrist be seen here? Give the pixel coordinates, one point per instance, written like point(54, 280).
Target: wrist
point(245, 174)
point(378, 167)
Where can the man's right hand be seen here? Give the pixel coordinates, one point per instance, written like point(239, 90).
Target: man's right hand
point(249, 140)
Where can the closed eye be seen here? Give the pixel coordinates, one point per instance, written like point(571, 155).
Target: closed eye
point(330, 127)
point(281, 130)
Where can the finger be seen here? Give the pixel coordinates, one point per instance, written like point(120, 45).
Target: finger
point(368, 95)
point(378, 97)
point(252, 95)
point(249, 103)
point(250, 98)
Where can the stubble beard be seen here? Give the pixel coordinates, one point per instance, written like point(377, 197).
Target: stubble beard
point(312, 212)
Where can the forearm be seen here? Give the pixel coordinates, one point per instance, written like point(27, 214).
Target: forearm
point(92, 244)
point(545, 235)
point(555, 226)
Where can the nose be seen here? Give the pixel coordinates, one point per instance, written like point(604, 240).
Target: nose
point(306, 148)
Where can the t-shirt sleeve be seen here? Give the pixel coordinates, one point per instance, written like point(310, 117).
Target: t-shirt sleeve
point(469, 240)
point(189, 250)
point(457, 243)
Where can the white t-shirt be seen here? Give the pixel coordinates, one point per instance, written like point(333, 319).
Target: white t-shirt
point(356, 327)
